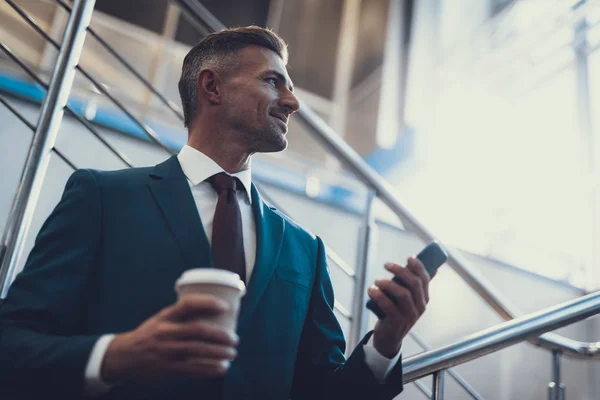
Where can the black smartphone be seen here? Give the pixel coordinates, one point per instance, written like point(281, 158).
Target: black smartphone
point(432, 257)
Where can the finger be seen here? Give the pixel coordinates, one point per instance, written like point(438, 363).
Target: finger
point(384, 303)
point(412, 282)
point(199, 367)
point(410, 305)
point(198, 350)
point(198, 330)
point(416, 267)
point(194, 306)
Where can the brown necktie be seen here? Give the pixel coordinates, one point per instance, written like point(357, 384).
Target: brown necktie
point(227, 236)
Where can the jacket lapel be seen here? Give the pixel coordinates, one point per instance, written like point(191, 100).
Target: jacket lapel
point(269, 235)
point(171, 190)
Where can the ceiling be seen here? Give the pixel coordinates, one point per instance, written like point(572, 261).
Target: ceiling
point(310, 27)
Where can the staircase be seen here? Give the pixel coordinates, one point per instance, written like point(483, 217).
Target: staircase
point(353, 209)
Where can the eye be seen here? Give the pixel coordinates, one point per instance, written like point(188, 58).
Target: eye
point(272, 81)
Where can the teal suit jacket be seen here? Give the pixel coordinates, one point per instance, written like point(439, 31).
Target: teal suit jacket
point(106, 260)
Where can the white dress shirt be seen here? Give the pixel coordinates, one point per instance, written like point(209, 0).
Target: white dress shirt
point(198, 167)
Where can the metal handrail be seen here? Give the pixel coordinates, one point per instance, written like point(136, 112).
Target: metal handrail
point(145, 128)
point(168, 103)
point(32, 127)
point(453, 374)
point(501, 336)
point(29, 71)
point(17, 113)
point(43, 141)
point(199, 15)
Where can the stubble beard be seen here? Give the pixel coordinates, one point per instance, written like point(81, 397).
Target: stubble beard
point(267, 139)
point(271, 139)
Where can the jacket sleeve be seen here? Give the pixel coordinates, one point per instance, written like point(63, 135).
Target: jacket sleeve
point(321, 369)
point(43, 346)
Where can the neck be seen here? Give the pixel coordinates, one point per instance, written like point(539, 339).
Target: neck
point(220, 147)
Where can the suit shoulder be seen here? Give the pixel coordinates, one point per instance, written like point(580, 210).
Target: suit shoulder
point(295, 226)
point(122, 177)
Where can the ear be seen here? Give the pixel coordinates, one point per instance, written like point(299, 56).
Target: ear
point(210, 86)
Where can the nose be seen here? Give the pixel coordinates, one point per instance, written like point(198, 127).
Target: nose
point(289, 101)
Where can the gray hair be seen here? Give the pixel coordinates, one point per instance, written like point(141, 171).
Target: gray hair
point(219, 50)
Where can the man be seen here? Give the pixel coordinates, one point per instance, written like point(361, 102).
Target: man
point(94, 312)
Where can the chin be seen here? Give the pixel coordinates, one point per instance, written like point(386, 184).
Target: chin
point(273, 146)
point(271, 141)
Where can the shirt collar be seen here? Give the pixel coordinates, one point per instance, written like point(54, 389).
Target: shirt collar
point(198, 167)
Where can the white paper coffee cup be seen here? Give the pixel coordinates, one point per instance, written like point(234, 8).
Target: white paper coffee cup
point(221, 283)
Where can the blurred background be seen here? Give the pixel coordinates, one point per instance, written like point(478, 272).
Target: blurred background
point(479, 114)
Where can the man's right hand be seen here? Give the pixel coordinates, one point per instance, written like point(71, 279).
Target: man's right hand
point(174, 342)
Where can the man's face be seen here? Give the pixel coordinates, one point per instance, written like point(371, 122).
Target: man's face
point(258, 100)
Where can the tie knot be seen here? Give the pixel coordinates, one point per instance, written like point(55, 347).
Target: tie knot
point(222, 181)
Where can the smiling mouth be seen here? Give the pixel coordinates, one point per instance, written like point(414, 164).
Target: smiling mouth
point(281, 118)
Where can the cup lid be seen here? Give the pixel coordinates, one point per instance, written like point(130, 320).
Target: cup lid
point(211, 275)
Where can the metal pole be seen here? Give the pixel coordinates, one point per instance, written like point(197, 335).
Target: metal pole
point(28, 192)
point(199, 16)
point(438, 385)
point(423, 389)
point(500, 337)
point(556, 366)
point(556, 389)
point(367, 236)
point(556, 392)
point(451, 372)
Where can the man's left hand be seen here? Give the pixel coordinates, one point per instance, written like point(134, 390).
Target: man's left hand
point(407, 307)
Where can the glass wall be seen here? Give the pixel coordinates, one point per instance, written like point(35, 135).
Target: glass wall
point(501, 100)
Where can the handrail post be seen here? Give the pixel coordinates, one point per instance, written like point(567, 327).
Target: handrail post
point(438, 385)
point(36, 164)
point(367, 238)
point(556, 389)
point(452, 373)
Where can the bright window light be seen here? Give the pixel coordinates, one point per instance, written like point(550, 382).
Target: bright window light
point(502, 166)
